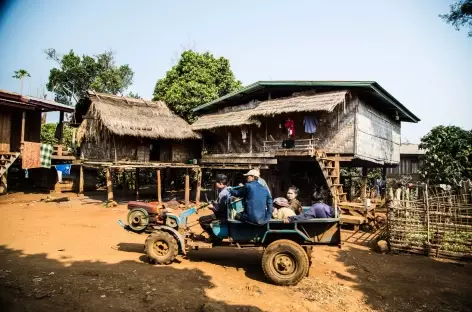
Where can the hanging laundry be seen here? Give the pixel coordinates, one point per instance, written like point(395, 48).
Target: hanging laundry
point(45, 155)
point(244, 135)
point(310, 123)
point(65, 168)
point(290, 126)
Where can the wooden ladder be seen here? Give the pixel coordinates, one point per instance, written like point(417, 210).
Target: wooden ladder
point(331, 171)
point(6, 160)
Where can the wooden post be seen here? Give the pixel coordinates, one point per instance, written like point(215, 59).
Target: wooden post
point(3, 183)
point(250, 141)
point(109, 185)
point(199, 186)
point(187, 189)
point(137, 184)
point(23, 122)
point(364, 183)
point(61, 133)
point(159, 187)
point(81, 180)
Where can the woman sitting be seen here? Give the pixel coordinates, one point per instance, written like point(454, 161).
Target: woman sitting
point(292, 194)
point(282, 209)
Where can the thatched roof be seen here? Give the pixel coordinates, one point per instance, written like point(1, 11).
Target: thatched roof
point(126, 116)
point(302, 102)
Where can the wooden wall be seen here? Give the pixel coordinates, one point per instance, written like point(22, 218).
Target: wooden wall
point(5, 131)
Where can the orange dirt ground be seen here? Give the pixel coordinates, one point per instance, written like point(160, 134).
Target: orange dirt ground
point(73, 256)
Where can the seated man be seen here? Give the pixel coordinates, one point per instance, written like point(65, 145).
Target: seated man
point(317, 210)
point(219, 207)
point(258, 202)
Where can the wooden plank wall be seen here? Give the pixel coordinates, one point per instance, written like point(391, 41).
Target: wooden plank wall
point(5, 131)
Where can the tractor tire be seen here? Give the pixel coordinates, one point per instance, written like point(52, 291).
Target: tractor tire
point(161, 247)
point(285, 262)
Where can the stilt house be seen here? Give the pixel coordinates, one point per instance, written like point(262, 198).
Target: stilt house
point(302, 131)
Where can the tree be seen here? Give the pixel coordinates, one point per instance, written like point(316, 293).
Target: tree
point(448, 155)
point(48, 131)
point(76, 75)
point(21, 74)
point(197, 78)
point(134, 95)
point(460, 15)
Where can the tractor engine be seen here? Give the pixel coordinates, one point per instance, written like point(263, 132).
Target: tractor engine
point(141, 215)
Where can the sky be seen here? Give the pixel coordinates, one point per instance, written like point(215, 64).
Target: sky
point(403, 45)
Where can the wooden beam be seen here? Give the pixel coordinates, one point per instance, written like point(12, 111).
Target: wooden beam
point(81, 180)
point(23, 122)
point(250, 141)
point(187, 189)
point(137, 183)
point(199, 186)
point(109, 185)
point(159, 186)
point(337, 170)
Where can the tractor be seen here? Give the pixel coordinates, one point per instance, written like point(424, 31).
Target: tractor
point(287, 246)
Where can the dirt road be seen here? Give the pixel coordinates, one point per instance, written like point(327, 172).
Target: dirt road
point(73, 256)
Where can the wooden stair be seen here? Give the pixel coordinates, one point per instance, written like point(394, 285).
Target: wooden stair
point(6, 160)
point(331, 171)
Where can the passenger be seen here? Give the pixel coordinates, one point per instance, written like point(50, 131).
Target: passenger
point(282, 209)
point(219, 207)
point(257, 200)
point(317, 210)
point(260, 180)
point(292, 195)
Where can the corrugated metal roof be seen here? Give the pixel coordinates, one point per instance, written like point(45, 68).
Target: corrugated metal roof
point(373, 86)
point(411, 149)
point(19, 100)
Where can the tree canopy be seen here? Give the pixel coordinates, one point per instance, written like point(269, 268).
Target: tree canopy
point(48, 131)
point(448, 157)
point(460, 15)
point(20, 74)
point(76, 75)
point(197, 78)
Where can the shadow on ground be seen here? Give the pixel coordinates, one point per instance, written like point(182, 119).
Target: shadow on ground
point(36, 283)
point(405, 282)
point(247, 260)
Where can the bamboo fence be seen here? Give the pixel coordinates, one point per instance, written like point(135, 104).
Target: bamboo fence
point(431, 221)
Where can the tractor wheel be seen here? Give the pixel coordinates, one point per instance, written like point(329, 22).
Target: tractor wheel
point(161, 247)
point(285, 262)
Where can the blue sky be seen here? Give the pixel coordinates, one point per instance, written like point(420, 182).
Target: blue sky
point(403, 45)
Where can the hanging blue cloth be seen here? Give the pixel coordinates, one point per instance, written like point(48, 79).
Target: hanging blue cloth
point(310, 123)
point(65, 169)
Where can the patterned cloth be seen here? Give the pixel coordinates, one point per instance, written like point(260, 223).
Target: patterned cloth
point(45, 155)
point(30, 155)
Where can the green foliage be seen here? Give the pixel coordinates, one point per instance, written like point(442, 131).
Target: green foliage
point(448, 157)
point(196, 79)
point(47, 135)
point(460, 15)
point(20, 74)
point(76, 75)
point(134, 95)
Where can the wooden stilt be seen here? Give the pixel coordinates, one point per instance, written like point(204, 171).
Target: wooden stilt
point(3, 183)
point(159, 186)
point(364, 183)
point(137, 183)
point(187, 189)
point(109, 185)
point(81, 180)
point(199, 186)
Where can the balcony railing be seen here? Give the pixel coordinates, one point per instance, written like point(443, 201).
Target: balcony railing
point(300, 145)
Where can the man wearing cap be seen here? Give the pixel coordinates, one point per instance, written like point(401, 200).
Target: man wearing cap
point(258, 202)
point(219, 207)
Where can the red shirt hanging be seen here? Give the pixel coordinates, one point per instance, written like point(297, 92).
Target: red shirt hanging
point(290, 126)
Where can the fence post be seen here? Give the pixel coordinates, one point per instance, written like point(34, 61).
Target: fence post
point(427, 210)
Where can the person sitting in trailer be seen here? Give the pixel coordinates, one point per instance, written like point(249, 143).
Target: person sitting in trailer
point(219, 207)
point(294, 203)
point(318, 210)
point(282, 209)
point(257, 200)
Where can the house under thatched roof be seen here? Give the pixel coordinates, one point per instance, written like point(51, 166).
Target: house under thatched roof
point(301, 102)
point(124, 116)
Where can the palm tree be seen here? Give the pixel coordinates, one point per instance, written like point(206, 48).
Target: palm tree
point(21, 74)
